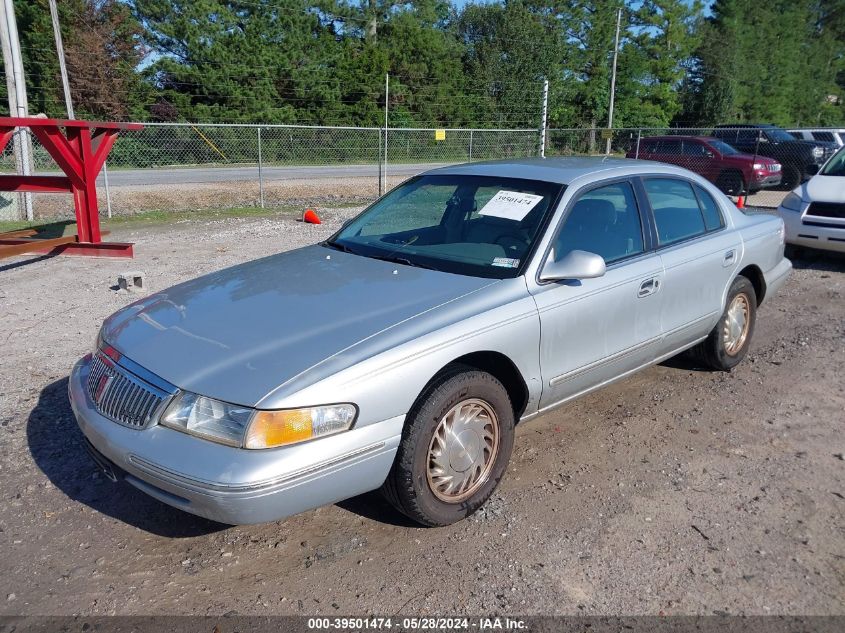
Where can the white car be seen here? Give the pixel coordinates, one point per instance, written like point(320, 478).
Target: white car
point(814, 212)
point(829, 135)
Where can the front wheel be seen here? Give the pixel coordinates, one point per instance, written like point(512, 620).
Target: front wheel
point(790, 178)
point(728, 342)
point(731, 183)
point(454, 450)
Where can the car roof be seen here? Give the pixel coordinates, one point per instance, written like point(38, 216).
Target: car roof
point(745, 125)
point(678, 137)
point(562, 170)
point(837, 130)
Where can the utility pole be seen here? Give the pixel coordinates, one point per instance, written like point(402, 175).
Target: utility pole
point(16, 85)
point(60, 51)
point(613, 80)
point(544, 118)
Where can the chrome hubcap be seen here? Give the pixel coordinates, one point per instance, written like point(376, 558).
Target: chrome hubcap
point(463, 450)
point(736, 326)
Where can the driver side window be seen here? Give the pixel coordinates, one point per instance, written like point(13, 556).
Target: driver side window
point(604, 221)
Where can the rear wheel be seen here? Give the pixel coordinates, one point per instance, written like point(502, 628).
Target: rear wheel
point(731, 183)
point(791, 178)
point(454, 450)
point(728, 342)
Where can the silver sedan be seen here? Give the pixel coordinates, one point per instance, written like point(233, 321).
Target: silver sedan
point(400, 353)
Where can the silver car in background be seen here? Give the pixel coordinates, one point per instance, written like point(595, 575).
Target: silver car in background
point(400, 353)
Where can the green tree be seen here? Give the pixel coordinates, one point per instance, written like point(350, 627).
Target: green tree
point(776, 62)
point(102, 51)
point(509, 49)
point(233, 61)
point(657, 61)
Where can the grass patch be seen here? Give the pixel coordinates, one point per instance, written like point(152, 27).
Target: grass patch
point(164, 217)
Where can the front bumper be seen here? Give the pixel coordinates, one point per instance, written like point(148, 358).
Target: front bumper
point(234, 485)
point(813, 232)
point(765, 181)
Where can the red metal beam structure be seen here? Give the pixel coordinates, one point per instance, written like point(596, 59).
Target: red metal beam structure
point(80, 152)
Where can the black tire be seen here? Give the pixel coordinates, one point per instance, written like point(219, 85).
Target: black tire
point(408, 486)
point(731, 183)
point(791, 178)
point(715, 351)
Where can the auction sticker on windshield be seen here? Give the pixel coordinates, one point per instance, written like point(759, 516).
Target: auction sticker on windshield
point(510, 205)
point(505, 262)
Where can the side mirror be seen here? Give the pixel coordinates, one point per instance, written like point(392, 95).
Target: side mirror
point(811, 170)
point(573, 265)
point(709, 154)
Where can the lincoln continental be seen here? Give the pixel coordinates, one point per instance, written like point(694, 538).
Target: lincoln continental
point(400, 353)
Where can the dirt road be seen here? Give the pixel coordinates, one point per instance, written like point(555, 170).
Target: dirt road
point(675, 491)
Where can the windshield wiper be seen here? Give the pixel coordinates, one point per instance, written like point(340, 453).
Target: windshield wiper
point(401, 260)
point(339, 247)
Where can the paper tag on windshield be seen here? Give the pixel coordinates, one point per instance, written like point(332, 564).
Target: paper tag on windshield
point(510, 205)
point(505, 262)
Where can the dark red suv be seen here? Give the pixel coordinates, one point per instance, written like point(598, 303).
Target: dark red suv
point(731, 171)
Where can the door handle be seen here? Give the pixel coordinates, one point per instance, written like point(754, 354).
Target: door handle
point(730, 256)
point(648, 287)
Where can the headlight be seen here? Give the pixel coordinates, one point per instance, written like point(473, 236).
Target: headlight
point(235, 425)
point(208, 418)
point(818, 152)
point(290, 426)
point(792, 202)
point(759, 166)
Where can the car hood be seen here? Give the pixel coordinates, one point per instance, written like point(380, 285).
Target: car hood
point(241, 332)
point(823, 189)
point(750, 159)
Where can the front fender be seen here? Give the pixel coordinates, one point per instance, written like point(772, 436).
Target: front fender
point(387, 373)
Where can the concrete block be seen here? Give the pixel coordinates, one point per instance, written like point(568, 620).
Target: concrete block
point(133, 280)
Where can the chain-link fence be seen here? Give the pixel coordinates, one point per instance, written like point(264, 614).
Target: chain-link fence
point(185, 167)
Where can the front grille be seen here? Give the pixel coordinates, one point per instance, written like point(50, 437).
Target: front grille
point(827, 209)
point(774, 167)
point(121, 396)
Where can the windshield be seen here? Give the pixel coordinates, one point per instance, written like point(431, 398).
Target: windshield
point(836, 165)
point(482, 226)
point(776, 135)
point(723, 148)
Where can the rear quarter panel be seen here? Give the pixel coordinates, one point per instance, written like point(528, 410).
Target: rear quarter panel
point(763, 239)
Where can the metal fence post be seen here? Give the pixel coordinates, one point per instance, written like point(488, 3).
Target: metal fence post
point(543, 120)
point(386, 102)
point(108, 191)
point(260, 173)
point(380, 180)
point(470, 146)
point(639, 134)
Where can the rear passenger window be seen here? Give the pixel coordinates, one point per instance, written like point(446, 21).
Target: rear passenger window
point(691, 148)
point(676, 211)
point(823, 136)
point(671, 148)
point(604, 221)
point(710, 210)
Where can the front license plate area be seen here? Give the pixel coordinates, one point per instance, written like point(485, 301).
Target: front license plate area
point(111, 471)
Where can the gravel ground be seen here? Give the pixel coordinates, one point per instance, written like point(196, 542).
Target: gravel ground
point(677, 491)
